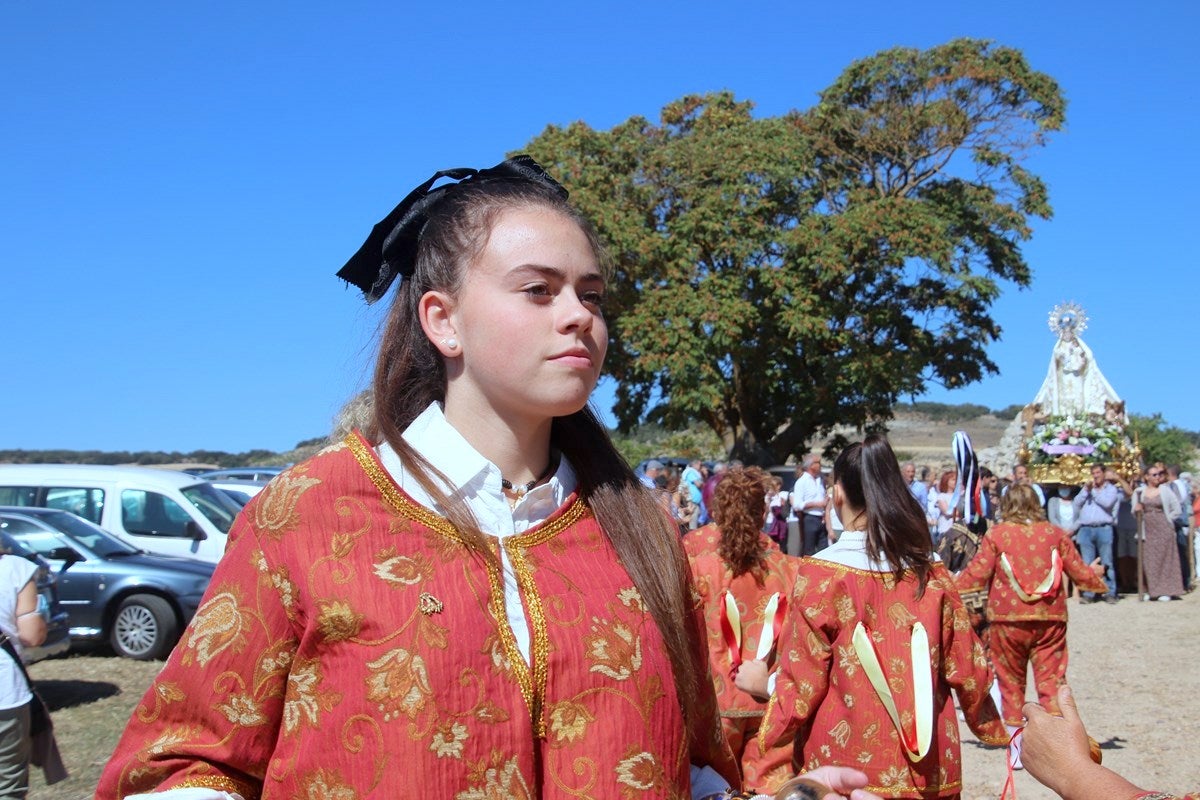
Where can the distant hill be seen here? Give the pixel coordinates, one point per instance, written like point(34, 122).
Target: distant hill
point(920, 431)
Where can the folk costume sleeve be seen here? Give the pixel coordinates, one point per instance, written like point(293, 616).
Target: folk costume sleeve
point(965, 667)
point(213, 715)
point(805, 660)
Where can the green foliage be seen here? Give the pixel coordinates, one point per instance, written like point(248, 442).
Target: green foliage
point(1162, 442)
point(650, 441)
point(1008, 412)
point(777, 277)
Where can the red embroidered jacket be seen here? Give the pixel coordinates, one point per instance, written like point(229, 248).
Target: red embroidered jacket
point(348, 643)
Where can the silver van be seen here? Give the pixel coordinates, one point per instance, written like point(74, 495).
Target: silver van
point(157, 510)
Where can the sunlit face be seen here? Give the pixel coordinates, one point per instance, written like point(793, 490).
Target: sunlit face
point(814, 469)
point(1020, 473)
point(528, 317)
point(909, 472)
point(1098, 475)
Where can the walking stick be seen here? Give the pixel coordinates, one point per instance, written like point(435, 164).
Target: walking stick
point(1141, 538)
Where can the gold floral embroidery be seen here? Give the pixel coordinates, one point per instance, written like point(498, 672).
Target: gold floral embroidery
point(840, 733)
point(894, 776)
point(243, 710)
point(844, 607)
point(448, 740)
point(531, 680)
point(282, 581)
point(337, 621)
point(495, 779)
point(398, 684)
point(164, 693)
point(169, 739)
point(218, 625)
point(631, 598)
point(614, 649)
point(569, 721)
point(639, 771)
point(901, 617)
point(402, 570)
point(275, 513)
point(325, 784)
point(304, 700)
point(275, 661)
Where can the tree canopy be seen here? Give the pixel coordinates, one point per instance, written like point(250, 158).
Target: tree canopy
point(779, 276)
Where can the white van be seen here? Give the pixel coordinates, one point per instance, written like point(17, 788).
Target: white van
point(155, 509)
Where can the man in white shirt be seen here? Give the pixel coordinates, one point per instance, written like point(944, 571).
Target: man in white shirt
point(809, 500)
point(1020, 474)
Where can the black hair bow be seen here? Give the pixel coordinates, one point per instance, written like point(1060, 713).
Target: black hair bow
point(391, 249)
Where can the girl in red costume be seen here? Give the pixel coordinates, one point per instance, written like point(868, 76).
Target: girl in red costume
point(473, 596)
point(875, 639)
point(743, 580)
point(1020, 563)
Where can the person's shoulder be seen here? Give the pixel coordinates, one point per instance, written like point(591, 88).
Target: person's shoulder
point(16, 569)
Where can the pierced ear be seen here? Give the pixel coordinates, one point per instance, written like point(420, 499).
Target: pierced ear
point(435, 310)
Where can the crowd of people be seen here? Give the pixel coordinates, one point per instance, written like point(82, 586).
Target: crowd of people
point(476, 597)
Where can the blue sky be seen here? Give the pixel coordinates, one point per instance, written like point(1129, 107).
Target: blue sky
point(179, 183)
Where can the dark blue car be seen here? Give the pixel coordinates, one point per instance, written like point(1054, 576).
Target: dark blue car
point(112, 591)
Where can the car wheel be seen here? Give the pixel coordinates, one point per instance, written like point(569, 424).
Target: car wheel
point(144, 627)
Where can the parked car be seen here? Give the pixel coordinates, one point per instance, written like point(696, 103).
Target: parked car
point(241, 474)
point(58, 629)
point(240, 491)
point(137, 601)
point(158, 510)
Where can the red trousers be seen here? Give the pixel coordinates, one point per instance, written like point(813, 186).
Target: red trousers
point(1012, 645)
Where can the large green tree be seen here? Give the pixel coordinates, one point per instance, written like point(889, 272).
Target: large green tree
point(780, 276)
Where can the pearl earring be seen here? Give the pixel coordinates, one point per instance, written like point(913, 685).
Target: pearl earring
point(451, 343)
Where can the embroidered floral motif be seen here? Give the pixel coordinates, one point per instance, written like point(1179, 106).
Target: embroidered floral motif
point(337, 621)
point(448, 740)
point(305, 701)
point(569, 721)
point(218, 625)
point(893, 776)
point(398, 683)
point(287, 591)
point(639, 771)
point(614, 649)
point(325, 784)
point(275, 512)
point(495, 779)
point(169, 739)
point(401, 570)
point(164, 693)
point(243, 710)
point(631, 598)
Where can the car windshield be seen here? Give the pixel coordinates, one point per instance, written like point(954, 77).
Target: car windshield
point(214, 504)
point(93, 537)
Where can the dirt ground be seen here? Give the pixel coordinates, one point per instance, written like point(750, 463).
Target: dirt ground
point(1132, 665)
point(1133, 670)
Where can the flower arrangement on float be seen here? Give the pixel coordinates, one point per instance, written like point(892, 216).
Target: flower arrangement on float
point(1095, 440)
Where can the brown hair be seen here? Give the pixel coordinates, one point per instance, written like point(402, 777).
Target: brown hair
point(1020, 504)
point(410, 374)
point(869, 475)
point(738, 505)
